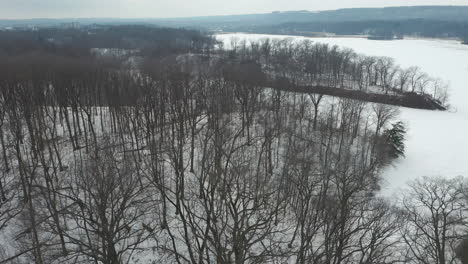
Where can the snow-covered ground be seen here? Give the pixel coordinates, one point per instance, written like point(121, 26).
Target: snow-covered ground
point(437, 142)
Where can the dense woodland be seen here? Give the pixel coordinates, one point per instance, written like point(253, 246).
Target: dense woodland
point(69, 42)
point(144, 152)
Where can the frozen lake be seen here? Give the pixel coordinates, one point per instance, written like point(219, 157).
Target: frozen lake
point(437, 142)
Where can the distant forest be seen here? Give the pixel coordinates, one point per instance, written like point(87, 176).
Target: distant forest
point(80, 42)
point(373, 28)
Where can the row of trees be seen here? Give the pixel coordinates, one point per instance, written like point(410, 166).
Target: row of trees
point(189, 159)
point(317, 64)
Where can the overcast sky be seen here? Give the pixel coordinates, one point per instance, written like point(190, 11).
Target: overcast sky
point(10, 9)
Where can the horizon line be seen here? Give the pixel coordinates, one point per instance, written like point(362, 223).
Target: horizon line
point(206, 16)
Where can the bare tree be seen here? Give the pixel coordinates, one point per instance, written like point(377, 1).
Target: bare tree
point(433, 214)
point(108, 208)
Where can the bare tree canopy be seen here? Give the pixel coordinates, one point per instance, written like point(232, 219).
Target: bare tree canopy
point(146, 145)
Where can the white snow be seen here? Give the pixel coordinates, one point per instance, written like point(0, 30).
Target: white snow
point(437, 142)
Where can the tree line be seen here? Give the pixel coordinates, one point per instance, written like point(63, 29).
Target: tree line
point(375, 28)
point(305, 63)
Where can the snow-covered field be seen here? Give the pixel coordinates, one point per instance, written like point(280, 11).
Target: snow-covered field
point(437, 142)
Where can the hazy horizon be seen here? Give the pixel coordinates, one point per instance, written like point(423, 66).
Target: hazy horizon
point(140, 9)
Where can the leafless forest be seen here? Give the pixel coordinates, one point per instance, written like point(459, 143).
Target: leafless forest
point(147, 145)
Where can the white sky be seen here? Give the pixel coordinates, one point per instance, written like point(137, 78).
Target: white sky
point(10, 9)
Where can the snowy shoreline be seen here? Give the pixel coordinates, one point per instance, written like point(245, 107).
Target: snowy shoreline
point(436, 141)
point(337, 36)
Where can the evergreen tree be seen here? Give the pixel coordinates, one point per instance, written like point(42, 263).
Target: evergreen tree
point(395, 139)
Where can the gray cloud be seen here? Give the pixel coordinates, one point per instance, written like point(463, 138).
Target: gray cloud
point(178, 8)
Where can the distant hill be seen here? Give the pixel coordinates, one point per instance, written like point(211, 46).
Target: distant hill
point(443, 13)
point(379, 23)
